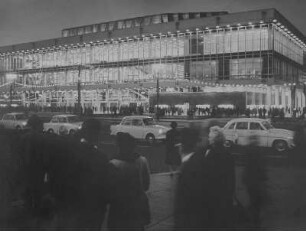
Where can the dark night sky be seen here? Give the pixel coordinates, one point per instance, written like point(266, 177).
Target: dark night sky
point(32, 20)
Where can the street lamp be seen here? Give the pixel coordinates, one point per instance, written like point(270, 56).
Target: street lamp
point(157, 98)
point(292, 90)
point(79, 91)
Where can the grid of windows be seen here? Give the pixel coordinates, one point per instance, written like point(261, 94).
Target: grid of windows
point(286, 46)
point(228, 53)
point(135, 22)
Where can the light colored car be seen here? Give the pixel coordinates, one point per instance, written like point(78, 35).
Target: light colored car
point(14, 120)
point(63, 124)
point(239, 131)
point(141, 127)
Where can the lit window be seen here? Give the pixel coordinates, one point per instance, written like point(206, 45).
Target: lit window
point(128, 23)
point(147, 21)
point(80, 31)
point(88, 29)
point(197, 15)
point(165, 17)
point(186, 16)
point(103, 27)
point(111, 25)
point(175, 17)
point(65, 33)
point(120, 24)
point(95, 28)
point(137, 21)
point(73, 32)
point(156, 19)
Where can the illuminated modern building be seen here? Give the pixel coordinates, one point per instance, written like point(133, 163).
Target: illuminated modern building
point(257, 53)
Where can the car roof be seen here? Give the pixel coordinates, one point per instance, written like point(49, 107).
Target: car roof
point(137, 117)
point(15, 113)
point(247, 120)
point(64, 115)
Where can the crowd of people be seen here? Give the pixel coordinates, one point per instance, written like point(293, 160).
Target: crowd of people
point(64, 182)
point(68, 182)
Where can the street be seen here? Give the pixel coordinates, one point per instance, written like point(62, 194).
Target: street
point(155, 154)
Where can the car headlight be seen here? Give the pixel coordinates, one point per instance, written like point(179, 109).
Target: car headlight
point(80, 127)
point(24, 123)
point(160, 131)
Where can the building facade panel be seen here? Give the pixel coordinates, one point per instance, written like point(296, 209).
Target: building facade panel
point(250, 47)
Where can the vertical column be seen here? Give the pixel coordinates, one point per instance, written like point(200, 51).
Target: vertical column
point(277, 96)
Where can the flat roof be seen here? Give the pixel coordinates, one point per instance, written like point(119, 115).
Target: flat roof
point(265, 15)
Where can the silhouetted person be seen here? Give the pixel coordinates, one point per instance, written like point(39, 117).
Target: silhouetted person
point(173, 146)
point(34, 163)
point(254, 179)
point(188, 209)
point(79, 178)
point(129, 206)
point(297, 155)
point(206, 186)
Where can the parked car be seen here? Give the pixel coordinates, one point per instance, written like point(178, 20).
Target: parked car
point(14, 120)
point(65, 123)
point(141, 127)
point(239, 131)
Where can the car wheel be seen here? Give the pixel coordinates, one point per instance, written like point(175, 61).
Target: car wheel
point(280, 145)
point(150, 138)
point(228, 143)
point(50, 131)
point(72, 132)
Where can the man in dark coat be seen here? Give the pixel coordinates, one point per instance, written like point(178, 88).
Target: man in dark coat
point(206, 186)
point(173, 145)
point(130, 179)
point(79, 179)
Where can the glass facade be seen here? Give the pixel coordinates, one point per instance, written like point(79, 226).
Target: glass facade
point(261, 51)
point(228, 53)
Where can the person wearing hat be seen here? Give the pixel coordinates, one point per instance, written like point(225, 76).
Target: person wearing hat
point(206, 183)
point(173, 148)
point(129, 181)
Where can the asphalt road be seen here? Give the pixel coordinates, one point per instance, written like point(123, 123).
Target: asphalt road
point(155, 154)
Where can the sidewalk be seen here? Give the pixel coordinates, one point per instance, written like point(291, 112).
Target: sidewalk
point(284, 210)
point(161, 197)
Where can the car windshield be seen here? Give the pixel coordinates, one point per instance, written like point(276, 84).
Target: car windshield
point(21, 117)
point(149, 121)
point(73, 119)
point(267, 125)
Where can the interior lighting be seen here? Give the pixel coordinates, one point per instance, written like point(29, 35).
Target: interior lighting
point(261, 21)
point(238, 24)
point(250, 23)
point(228, 25)
point(274, 20)
point(217, 27)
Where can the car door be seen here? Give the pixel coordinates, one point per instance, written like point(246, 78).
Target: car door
point(242, 133)
point(62, 122)
point(54, 124)
point(256, 129)
point(6, 121)
point(126, 126)
point(137, 128)
point(11, 121)
point(230, 133)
